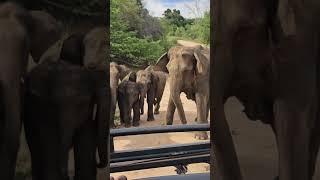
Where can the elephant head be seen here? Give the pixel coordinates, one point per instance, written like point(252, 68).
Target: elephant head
point(80, 49)
point(185, 65)
point(95, 49)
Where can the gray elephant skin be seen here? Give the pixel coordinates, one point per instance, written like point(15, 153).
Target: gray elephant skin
point(21, 32)
point(188, 69)
point(60, 113)
point(129, 94)
point(154, 83)
point(117, 73)
point(268, 59)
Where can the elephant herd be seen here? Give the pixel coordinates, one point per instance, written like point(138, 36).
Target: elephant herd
point(130, 89)
point(186, 69)
point(62, 103)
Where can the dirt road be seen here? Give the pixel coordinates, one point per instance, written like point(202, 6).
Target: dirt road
point(157, 140)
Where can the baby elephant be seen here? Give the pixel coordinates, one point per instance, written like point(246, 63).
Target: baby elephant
point(129, 94)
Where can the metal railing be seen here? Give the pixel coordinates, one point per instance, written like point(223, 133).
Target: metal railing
point(174, 155)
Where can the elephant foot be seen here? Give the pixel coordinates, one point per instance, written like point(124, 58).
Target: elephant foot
point(136, 124)
point(150, 119)
point(156, 112)
point(127, 125)
point(201, 135)
point(169, 123)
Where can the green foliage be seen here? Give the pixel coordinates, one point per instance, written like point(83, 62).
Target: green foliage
point(126, 44)
point(193, 29)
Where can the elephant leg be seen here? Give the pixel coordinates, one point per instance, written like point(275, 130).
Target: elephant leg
point(112, 113)
point(202, 103)
point(150, 100)
point(136, 113)
point(314, 149)
point(175, 96)
point(142, 105)
point(85, 152)
point(121, 105)
point(157, 108)
point(11, 127)
point(224, 162)
point(170, 112)
point(66, 132)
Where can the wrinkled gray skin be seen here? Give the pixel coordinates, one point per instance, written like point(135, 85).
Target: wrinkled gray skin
point(268, 58)
point(129, 94)
point(60, 113)
point(188, 69)
point(154, 83)
point(21, 32)
point(117, 72)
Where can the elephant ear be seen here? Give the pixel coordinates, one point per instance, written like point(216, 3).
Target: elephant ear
point(72, 50)
point(286, 17)
point(44, 31)
point(202, 63)
point(161, 64)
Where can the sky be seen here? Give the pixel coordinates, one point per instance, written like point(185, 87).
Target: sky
point(187, 7)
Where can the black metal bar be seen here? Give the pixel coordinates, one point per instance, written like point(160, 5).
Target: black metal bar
point(133, 166)
point(130, 155)
point(158, 129)
point(202, 176)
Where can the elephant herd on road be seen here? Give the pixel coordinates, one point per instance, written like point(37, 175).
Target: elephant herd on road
point(187, 70)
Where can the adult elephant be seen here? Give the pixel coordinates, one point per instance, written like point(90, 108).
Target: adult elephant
point(21, 32)
point(117, 72)
point(188, 69)
point(268, 59)
point(153, 83)
point(60, 109)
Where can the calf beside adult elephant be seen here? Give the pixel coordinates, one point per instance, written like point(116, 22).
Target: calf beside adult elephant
point(153, 83)
point(129, 95)
point(21, 32)
point(60, 113)
point(117, 72)
point(268, 58)
point(188, 69)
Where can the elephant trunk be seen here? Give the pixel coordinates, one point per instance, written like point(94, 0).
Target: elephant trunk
point(175, 91)
point(143, 95)
point(102, 119)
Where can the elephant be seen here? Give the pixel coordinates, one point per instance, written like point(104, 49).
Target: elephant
point(117, 72)
point(154, 83)
point(266, 55)
point(129, 95)
point(22, 32)
point(67, 105)
point(188, 69)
